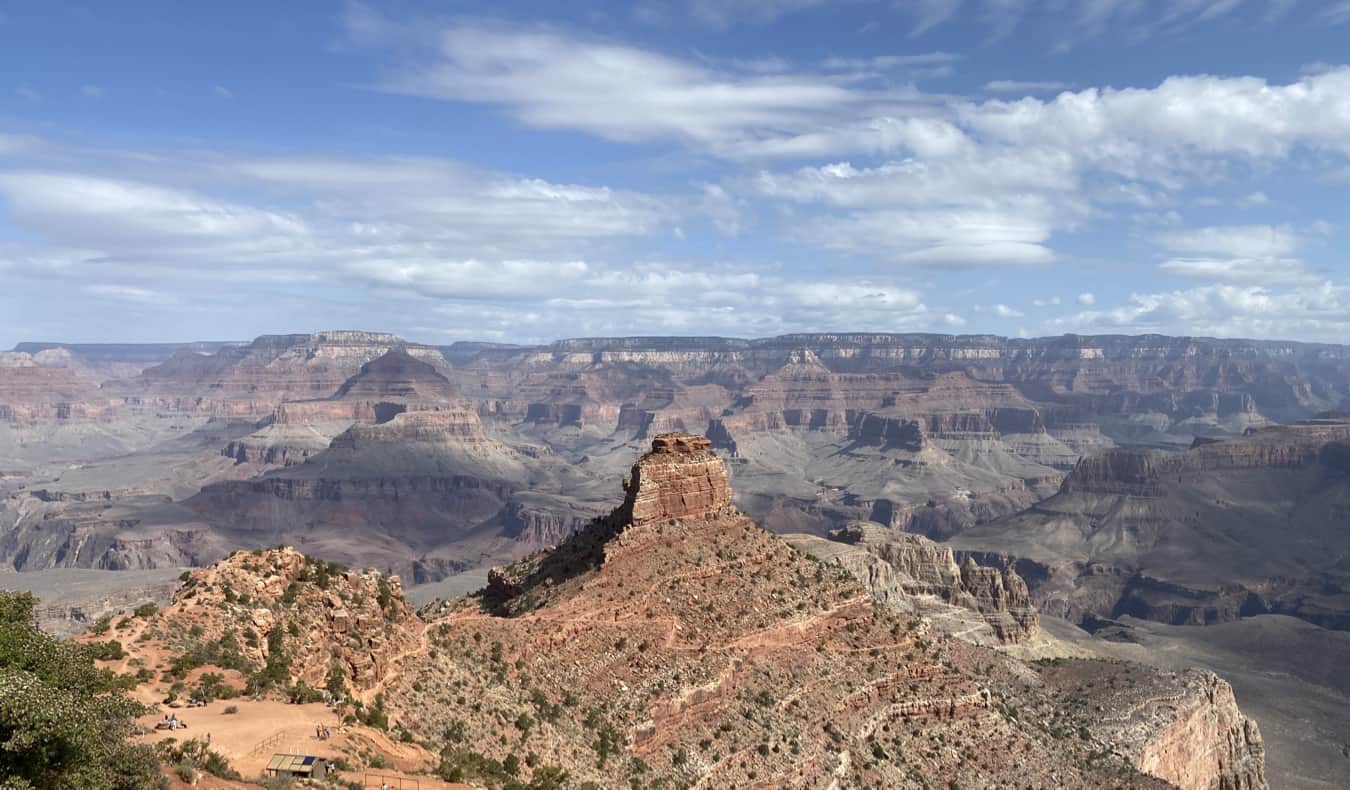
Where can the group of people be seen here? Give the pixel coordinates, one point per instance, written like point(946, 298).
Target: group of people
point(322, 732)
point(172, 722)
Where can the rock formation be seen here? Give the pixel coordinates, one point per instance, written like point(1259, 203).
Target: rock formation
point(1225, 529)
point(688, 645)
point(320, 617)
point(1183, 727)
point(681, 478)
point(917, 575)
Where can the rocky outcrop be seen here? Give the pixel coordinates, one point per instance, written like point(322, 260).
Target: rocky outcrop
point(397, 375)
point(1205, 743)
point(320, 615)
point(270, 370)
point(1002, 597)
point(905, 571)
point(680, 479)
point(721, 657)
point(460, 427)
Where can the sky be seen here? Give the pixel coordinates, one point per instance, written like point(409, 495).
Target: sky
point(525, 171)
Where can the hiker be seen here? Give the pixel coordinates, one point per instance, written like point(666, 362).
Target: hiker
point(208, 739)
point(326, 732)
point(318, 732)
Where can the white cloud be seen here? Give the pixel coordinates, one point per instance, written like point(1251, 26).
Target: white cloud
point(1250, 241)
point(27, 92)
point(722, 13)
point(140, 218)
point(1338, 14)
point(1006, 176)
point(928, 14)
point(1314, 312)
point(521, 257)
point(1237, 254)
point(1239, 270)
point(885, 62)
point(127, 293)
point(556, 80)
point(1050, 302)
point(1087, 298)
point(1025, 86)
point(222, 92)
point(91, 91)
point(1004, 311)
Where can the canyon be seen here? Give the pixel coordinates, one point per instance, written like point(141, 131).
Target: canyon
point(1048, 498)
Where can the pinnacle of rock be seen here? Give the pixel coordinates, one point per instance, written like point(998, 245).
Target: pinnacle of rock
point(680, 479)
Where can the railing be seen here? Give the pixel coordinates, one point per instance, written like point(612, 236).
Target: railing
point(394, 782)
point(268, 742)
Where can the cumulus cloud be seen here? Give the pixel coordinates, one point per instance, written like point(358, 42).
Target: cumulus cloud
point(523, 256)
point(1236, 254)
point(1318, 312)
point(1011, 173)
point(1087, 298)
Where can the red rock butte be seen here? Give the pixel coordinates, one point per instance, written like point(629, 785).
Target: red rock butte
point(680, 479)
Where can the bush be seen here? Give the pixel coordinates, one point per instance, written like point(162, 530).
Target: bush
point(301, 694)
point(106, 651)
point(230, 710)
point(194, 755)
point(63, 720)
point(145, 610)
point(101, 626)
point(213, 686)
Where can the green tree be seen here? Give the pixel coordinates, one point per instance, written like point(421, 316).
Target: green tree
point(63, 721)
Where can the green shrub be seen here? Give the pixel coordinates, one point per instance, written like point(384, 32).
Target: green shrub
point(106, 651)
point(145, 610)
point(63, 720)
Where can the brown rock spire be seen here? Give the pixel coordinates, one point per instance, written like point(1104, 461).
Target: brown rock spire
point(680, 479)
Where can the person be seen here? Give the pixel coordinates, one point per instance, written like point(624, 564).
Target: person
point(326, 732)
point(208, 739)
point(318, 732)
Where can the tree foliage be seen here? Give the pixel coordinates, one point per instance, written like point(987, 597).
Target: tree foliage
point(63, 722)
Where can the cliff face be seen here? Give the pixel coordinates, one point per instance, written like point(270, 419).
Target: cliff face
point(1208, 744)
point(1227, 529)
point(915, 574)
point(270, 370)
point(681, 478)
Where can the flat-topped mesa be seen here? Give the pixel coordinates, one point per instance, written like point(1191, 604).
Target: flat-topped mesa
point(680, 479)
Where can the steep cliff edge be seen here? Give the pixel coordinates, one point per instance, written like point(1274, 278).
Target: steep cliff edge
point(1184, 727)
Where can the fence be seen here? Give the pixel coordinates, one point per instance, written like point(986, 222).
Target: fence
point(394, 782)
point(268, 742)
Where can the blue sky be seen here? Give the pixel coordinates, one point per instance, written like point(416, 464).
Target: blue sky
point(527, 171)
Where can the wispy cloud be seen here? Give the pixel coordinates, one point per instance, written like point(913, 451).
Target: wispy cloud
point(1025, 86)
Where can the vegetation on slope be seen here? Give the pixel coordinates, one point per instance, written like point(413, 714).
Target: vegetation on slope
point(63, 722)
